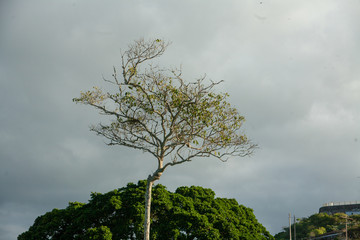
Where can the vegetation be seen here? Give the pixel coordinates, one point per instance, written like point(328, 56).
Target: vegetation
point(322, 223)
point(156, 111)
point(188, 213)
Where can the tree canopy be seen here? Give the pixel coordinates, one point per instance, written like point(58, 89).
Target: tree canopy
point(188, 213)
point(155, 110)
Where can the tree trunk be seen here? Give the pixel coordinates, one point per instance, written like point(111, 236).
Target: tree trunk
point(149, 184)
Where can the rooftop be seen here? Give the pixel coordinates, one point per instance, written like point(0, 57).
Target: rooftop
point(340, 203)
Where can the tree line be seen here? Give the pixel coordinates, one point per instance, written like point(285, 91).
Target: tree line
point(321, 224)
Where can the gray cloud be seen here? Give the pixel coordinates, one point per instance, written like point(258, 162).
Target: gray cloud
point(290, 68)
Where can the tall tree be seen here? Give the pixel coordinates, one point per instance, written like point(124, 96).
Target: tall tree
point(155, 110)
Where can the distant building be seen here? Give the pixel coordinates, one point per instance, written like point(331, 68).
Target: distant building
point(348, 208)
point(329, 236)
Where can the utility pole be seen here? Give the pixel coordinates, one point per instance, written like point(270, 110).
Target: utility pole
point(346, 226)
point(290, 226)
point(294, 227)
point(346, 230)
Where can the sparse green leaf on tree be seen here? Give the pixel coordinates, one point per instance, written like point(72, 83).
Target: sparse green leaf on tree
point(157, 111)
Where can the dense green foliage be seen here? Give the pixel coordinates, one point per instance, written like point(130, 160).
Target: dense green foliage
point(188, 213)
point(323, 223)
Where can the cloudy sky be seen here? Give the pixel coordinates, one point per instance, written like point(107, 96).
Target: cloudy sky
point(290, 67)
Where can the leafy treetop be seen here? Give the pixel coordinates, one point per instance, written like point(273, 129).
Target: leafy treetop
point(156, 111)
point(188, 213)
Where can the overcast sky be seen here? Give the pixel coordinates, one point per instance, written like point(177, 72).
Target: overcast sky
point(290, 67)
